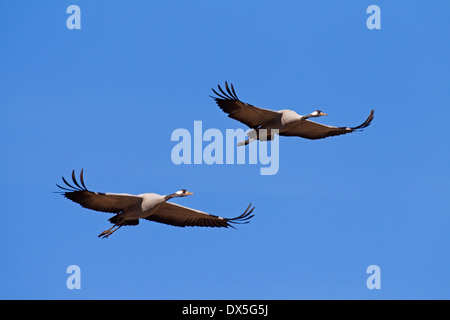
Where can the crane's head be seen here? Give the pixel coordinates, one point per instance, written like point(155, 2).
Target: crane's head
point(318, 113)
point(183, 193)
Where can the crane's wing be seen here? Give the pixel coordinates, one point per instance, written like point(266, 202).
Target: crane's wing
point(105, 202)
point(313, 130)
point(176, 215)
point(249, 115)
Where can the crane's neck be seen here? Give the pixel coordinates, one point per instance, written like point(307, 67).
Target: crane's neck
point(311, 115)
point(173, 195)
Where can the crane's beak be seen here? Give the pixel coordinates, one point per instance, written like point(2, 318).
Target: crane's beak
point(323, 114)
point(189, 193)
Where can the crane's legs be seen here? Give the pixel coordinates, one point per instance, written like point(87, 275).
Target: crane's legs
point(244, 143)
point(259, 134)
point(105, 234)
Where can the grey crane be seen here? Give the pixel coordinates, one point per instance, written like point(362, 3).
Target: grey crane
point(128, 208)
point(288, 123)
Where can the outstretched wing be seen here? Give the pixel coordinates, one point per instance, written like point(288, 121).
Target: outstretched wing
point(176, 215)
point(105, 202)
point(249, 115)
point(313, 130)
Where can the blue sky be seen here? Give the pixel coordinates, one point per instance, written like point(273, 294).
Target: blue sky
point(106, 98)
